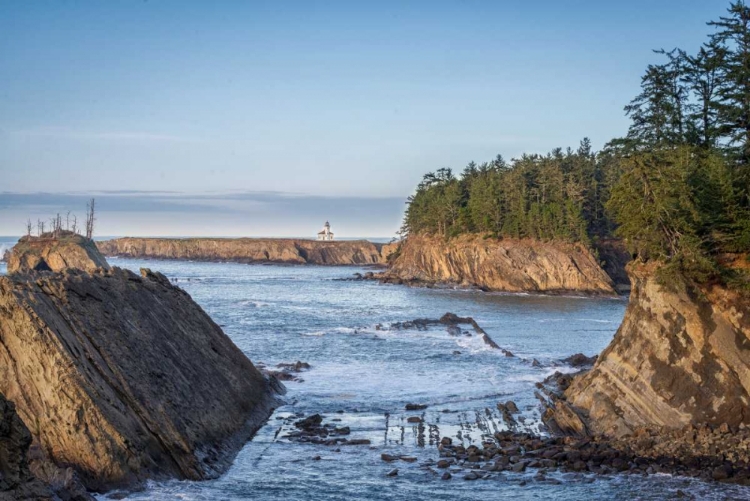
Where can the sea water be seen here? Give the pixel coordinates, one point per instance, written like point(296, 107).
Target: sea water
point(364, 374)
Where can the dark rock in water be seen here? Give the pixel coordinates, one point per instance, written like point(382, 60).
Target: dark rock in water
point(16, 479)
point(414, 419)
point(310, 422)
point(451, 321)
point(388, 457)
point(535, 363)
point(415, 407)
point(511, 406)
point(296, 367)
point(579, 360)
point(446, 476)
point(392, 473)
point(125, 377)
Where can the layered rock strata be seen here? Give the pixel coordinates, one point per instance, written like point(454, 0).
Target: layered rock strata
point(680, 358)
point(499, 265)
point(124, 377)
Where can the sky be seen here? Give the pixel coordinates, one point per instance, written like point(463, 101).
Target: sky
point(254, 118)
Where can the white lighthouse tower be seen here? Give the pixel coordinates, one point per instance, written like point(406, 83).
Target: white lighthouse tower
point(326, 234)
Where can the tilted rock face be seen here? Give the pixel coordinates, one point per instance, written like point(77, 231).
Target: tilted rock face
point(249, 250)
point(48, 253)
point(124, 377)
point(16, 480)
point(679, 358)
point(502, 265)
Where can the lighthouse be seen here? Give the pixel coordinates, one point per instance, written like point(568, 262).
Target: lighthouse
point(325, 234)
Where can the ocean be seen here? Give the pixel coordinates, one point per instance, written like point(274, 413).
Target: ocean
point(364, 374)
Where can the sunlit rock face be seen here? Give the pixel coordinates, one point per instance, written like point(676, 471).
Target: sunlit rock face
point(501, 265)
point(55, 253)
point(679, 358)
point(124, 377)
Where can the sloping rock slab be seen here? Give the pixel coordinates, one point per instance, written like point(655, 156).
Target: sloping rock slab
point(124, 377)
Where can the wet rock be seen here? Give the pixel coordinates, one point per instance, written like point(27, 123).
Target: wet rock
point(392, 473)
point(414, 419)
point(415, 407)
point(446, 476)
point(580, 360)
point(388, 457)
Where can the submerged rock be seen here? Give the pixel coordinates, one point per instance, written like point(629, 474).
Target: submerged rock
point(124, 377)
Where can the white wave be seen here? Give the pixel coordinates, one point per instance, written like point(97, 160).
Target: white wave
point(254, 304)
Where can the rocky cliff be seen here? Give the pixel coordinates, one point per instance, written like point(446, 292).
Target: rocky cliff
point(501, 265)
point(123, 377)
point(16, 480)
point(55, 253)
point(679, 358)
point(250, 250)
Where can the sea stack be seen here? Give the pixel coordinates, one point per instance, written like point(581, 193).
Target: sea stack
point(120, 377)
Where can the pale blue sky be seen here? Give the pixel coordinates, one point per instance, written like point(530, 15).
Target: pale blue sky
point(350, 102)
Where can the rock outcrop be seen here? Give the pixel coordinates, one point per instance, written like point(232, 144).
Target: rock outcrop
point(123, 377)
point(500, 265)
point(680, 358)
point(55, 253)
point(251, 250)
point(16, 479)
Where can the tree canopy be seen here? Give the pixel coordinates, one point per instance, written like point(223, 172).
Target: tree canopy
point(675, 188)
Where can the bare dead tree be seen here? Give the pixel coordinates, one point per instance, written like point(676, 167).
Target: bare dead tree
point(75, 224)
point(90, 218)
point(40, 227)
point(28, 227)
point(67, 221)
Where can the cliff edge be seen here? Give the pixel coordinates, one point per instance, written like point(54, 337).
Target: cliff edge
point(251, 250)
point(121, 378)
point(679, 358)
point(55, 253)
point(500, 265)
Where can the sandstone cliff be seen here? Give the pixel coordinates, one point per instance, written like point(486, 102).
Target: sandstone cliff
point(123, 377)
point(679, 358)
point(16, 480)
point(250, 250)
point(48, 253)
point(501, 265)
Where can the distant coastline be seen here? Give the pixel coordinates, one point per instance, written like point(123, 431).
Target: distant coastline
point(252, 250)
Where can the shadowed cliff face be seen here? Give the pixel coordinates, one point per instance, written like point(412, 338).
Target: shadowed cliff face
point(16, 480)
point(250, 250)
point(501, 265)
point(48, 253)
point(124, 377)
point(679, 358)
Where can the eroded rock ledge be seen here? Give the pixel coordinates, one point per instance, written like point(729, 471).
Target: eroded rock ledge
point(123, 377)
point(251, 250)
point(498, 265)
